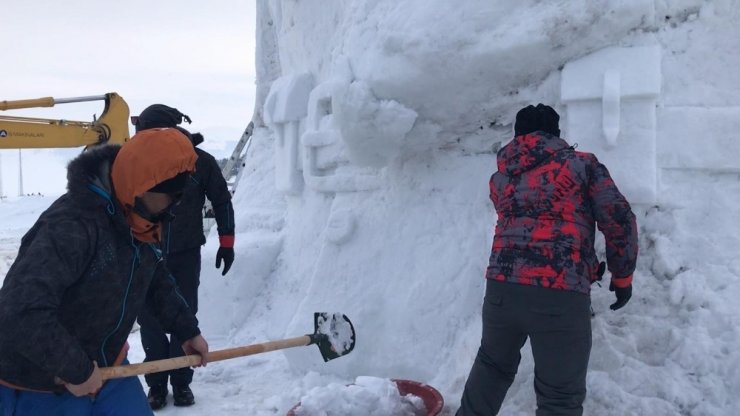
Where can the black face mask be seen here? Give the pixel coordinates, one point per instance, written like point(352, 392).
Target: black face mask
point(164, 216)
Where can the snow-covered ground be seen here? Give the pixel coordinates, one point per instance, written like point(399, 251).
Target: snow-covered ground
point(365, 192)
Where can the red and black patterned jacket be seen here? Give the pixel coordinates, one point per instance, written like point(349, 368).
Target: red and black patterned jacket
point(549, 199)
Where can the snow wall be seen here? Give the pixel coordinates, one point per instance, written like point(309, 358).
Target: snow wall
point(365, 186)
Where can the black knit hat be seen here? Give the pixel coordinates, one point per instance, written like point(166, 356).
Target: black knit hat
point(159, 115)
point(173, 185)
point(541, 118)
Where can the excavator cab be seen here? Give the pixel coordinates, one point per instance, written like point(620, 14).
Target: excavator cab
point(26, 132)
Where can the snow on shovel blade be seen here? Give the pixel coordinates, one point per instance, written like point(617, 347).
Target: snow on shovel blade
point(333, 333)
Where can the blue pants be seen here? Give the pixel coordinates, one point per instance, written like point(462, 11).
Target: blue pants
point(118, 397)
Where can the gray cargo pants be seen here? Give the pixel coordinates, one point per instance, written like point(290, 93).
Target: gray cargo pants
point(558, 324)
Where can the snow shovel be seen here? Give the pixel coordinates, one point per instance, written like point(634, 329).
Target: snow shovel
point(333, 333)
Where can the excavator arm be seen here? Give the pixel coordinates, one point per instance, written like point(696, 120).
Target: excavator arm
point(26, 132)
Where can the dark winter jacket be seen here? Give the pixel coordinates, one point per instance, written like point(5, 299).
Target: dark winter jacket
point(185, 231)
point(548, 198)
point(79, 280)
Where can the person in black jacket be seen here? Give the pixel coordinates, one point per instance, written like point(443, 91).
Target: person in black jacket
point(84, 271)
point(183, 237)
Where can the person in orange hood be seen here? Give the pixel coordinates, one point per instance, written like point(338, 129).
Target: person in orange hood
point(142, 182)
point(88, 266)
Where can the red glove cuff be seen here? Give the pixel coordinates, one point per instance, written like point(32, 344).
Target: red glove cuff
point(622, 282)
point(226, 241)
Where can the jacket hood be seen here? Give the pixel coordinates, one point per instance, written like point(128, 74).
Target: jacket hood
point(92, 167)
point(528, 151)
point(151, 157)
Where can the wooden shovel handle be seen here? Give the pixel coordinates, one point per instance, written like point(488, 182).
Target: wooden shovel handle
point(193, 360)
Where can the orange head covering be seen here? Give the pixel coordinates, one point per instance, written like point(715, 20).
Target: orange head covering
point(149, 158)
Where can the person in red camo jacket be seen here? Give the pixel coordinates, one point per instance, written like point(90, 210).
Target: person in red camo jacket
point(549, 199)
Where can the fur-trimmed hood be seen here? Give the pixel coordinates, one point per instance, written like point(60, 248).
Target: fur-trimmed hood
point(89, 174)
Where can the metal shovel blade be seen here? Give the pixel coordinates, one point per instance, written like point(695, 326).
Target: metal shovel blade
point(333, 333)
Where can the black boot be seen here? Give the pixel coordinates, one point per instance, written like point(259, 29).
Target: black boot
point(183, 396)
point(157, 397)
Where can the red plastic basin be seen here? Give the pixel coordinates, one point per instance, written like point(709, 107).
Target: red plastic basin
point(432, 399)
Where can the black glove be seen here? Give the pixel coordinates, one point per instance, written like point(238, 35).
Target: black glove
point(227, 255)
point(623, 295)
point(599, 273)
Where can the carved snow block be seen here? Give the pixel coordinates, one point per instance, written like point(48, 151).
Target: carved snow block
point(325, 165)
point(285, 107)
point(373, 130)
point(610, 98)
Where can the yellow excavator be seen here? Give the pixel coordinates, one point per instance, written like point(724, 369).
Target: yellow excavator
point(27, 132)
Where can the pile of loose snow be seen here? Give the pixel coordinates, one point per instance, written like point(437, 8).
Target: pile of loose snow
point(368, 396)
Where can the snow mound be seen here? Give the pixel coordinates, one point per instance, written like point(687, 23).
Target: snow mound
point(368, 396)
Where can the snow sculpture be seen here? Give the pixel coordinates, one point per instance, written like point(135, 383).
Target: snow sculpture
point(284, 109)
point(325, 165)
point(611, 98)
point(372, 129)
point(326, 168)
point(610, 107)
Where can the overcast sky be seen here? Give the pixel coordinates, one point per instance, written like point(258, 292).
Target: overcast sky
point(197, 56)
